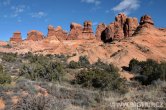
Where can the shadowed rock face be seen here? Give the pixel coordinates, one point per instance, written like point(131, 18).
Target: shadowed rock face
point(75, 31)
point(35, 35)
point(121, 19)
point(99, 31)
point(16, 38)
point(122, 27)
point(130, 26)
point(114, 31)
point(56, 33)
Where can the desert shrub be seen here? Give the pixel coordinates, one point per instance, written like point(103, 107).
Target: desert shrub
point(1, 69)
point(49, 71)
point(32, 102)
point(28, 55)
point(4, 77)
point(41, 68)
point(61, 57)
point(106, 67)
point(74, 65)
point(35, 58)
point(162, 70)
point(148, 71)
point(83, 61)
point(38, 59)
point(7, 46)
point(134, 66)
point(9, 57)
point(75, 96)
point(102, 78)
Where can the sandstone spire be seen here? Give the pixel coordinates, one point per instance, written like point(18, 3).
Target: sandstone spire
point(16, 38)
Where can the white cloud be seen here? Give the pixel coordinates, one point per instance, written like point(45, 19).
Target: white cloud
point(18, 10)
point(39, 14)
point(107, 11)
point(96, 2)
point(6, 2)
point(127, 6)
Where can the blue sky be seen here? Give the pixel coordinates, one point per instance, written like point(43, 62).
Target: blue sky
point(26, 15)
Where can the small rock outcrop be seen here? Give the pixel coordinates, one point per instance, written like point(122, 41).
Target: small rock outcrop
point(87, 27)
point(87, 32)
point(146, 22)
point(121, 19)
point(78, 32)
point(50, 31)
point(35, 35)
point(16, 38)
point(99, 31)
point(130, 26)
point(146, 19)
point(56, 33)
point(75, 31)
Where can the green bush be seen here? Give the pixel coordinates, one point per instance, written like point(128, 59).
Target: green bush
point(134, 66)
point(1, 69)
point(42, 70)
point(28, 55)
point(148, 71)
point(74, 65)
point(102, 78)
point(4, 78)
point(106, 67)
point(32, 102)
point(38, 59)
point(83, 61)
point(9, 57)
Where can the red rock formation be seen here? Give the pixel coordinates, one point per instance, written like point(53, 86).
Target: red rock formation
point(115, 31)
point(79, 32)
point(146, 22)
point(75, 31)
point(60, 33)
point(121, 19)
point(146, 19)
point(35, 35)
point(99, 31)
point(50, 31)
point(162, 29)
point(130, 26)
point(122, 27)
point(87, 32)
point(56, 33)
point(87, 27)
point(16, 38)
